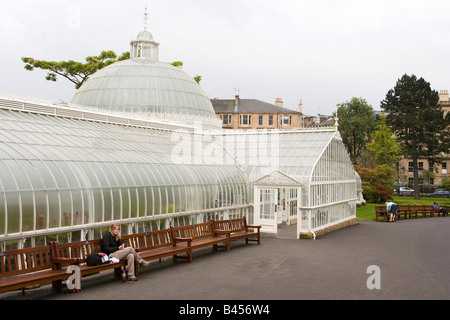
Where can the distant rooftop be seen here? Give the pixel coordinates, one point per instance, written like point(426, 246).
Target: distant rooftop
point(248, 106)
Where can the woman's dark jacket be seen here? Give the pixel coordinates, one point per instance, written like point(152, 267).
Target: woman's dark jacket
point(109, 243)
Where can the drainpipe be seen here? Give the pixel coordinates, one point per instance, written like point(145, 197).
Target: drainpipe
point(309, 225)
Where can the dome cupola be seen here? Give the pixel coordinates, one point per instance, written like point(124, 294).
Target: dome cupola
point(144, 46)
point(146, 87)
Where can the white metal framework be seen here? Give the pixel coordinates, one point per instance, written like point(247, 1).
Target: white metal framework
point(65, 175)
point(140, 145)
point(316, 159)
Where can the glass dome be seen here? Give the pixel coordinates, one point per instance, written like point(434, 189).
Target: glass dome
point(144, 85)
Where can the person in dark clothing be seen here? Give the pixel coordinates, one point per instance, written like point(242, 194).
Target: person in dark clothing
point(391, 209)
point(113, 246)
point(438, 208)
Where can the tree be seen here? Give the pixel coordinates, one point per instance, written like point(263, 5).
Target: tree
point(356, 123)
point(418, 121)
point(198, 78)
point(76, 72)
point(384, 144)
point(179, 64)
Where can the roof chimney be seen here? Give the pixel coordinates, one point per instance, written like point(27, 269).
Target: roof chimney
point(236, 103)
point(279, 102)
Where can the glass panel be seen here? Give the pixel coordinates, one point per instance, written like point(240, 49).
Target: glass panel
point(13, 209)
point(2, 212)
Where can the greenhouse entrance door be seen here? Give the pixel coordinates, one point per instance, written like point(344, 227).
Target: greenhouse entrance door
point(276, 203)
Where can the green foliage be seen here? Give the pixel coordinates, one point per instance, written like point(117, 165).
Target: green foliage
point(367, 212)
point(356, 123)
point(446, 184)
point(76, 72)
point(177, 64)
point(417, 118)
point(384, 144)
point(418, 121)
point(377, 183)
point(198, 78)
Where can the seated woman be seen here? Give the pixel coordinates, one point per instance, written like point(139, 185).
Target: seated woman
point(113, 246)
point(438, 208)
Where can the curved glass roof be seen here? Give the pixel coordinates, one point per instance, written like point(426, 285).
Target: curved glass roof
point(315, 158)
point(144, 85)
point(295, 153)
point(60, 172)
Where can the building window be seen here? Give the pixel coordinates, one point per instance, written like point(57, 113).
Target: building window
point(270, 120)
point(444, 167)
point(285, 120)
point(260, 120)
point(226, 119)
point(411, 167)
point(245, 119)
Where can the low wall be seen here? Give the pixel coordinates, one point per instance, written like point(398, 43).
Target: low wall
point(334, 227)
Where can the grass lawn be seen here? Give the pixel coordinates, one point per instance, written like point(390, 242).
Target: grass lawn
point(367, 213)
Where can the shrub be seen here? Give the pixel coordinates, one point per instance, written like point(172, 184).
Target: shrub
point(377, 183)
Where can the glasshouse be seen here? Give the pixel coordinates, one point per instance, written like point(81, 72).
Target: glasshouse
point(140, 145)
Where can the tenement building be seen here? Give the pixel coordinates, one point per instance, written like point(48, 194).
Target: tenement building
point(255, 114)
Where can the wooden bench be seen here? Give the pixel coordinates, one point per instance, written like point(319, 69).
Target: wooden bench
point(22, 268)
point(408, 211)
point(150, 246)
point(427, 210)
point(49, 264)
point(201, 235)
point(75, 253)
point(158, 244)
point(437, 212)
point(239, 229)
point(403, 211)
point(414, 210)
point(380, 211)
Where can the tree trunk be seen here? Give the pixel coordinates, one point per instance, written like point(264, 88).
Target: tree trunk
point(416, 178)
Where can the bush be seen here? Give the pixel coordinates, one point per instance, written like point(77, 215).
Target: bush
point(377, 183)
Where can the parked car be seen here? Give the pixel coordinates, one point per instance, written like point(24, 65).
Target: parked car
point(405, 190)
point(440, 193)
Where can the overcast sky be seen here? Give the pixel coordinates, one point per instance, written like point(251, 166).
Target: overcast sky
point(324, 52)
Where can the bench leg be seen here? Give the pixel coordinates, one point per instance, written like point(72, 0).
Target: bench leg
point(57, 286)
point(118, 273)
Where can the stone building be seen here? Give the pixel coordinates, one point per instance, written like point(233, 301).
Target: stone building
point(240, 113)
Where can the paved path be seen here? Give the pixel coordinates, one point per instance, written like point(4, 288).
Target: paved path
point(413, 257)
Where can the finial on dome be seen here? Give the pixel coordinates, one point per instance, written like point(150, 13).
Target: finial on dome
point(145, 18)
point(144, 46)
